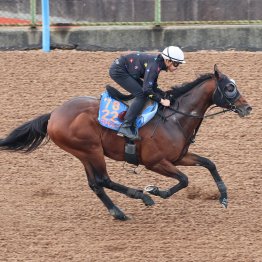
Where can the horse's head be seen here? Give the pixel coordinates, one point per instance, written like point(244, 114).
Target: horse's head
point(228, 96)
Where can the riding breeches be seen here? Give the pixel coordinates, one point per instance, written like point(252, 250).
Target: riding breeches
point(134, 86)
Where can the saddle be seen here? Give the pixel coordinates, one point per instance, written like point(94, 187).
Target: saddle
point(114, 104)
point(114, 93)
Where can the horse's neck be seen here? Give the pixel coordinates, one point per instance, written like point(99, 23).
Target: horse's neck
point(194, 103)
point(197, 101)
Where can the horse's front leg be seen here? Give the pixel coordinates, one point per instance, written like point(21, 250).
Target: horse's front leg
point(166, 168)
point(191, 159)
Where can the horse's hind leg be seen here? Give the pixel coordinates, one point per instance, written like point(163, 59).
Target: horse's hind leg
point(102, 179)
point(100, 192)
point(130, 192)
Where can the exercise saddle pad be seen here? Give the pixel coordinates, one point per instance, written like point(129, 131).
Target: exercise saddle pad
point(110, 112)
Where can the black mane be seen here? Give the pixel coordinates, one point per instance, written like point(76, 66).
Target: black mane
point(179, 90)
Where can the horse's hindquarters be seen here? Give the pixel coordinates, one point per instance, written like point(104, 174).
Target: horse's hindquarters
point(74, 127)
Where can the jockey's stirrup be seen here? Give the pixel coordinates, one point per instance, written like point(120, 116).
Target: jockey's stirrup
point(127, 129)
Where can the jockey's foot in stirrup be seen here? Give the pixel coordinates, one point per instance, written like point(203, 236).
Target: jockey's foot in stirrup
point(129, 130)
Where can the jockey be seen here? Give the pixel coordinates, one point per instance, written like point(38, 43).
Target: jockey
point(137, 73)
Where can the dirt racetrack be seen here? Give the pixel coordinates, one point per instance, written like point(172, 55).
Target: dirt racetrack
point(48, 213)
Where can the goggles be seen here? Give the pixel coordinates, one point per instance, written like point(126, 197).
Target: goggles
point(175, 64)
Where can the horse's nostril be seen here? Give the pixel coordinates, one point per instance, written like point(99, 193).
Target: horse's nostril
point(249, 109)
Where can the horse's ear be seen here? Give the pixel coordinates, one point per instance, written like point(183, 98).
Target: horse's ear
point(217, 73)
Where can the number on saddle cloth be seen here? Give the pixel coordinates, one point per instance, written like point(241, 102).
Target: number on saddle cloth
point(111, 112)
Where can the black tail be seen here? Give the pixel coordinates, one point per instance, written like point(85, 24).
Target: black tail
point(27, 137)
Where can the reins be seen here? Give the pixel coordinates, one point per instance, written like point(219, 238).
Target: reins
point(195, 116)
point(218, 113)
point(164, 118)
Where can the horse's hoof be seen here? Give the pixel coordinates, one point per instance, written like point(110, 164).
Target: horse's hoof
point(223, 202)
point(118, 214)
point(153, 190)
point(148, 201)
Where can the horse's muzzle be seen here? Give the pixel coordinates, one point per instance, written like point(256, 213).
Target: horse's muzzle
point(243, 110)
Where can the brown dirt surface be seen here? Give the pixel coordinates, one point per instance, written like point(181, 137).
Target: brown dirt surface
point(48, 213)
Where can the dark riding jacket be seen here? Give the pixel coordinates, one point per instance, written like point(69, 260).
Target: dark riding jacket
point(147, 67)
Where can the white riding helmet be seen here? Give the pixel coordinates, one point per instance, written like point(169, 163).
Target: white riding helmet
point(173, 53)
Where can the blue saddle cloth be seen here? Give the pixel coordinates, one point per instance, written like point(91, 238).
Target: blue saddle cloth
point(110, 109)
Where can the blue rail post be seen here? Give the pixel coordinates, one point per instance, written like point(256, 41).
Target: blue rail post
point(45, 26)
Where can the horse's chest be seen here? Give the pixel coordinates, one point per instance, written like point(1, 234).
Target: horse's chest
point(163, 148)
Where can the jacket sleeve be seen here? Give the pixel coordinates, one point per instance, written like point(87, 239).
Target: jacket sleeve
point(150, 83)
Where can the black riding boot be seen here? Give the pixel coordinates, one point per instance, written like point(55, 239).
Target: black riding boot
point(128, 127)
point(128, 130)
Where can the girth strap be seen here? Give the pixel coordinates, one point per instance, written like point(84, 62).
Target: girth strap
point(130, 153)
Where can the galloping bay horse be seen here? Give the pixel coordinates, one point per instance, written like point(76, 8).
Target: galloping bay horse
point(74, 127)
